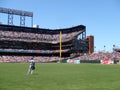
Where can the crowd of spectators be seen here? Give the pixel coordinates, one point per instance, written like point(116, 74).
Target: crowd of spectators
point(43, 59)
point(14, 35)
point(93, 56)
point(36, 37)
point(100, 56)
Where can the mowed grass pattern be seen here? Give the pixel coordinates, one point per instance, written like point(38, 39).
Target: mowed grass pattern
point(59, 77)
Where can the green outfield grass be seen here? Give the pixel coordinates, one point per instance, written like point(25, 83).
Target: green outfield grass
point(60, 77)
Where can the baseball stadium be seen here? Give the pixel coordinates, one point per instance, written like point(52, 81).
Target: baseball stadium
point(20, 42)
point(65, 58)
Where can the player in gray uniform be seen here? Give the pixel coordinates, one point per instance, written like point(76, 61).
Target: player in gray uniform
point(31, 67)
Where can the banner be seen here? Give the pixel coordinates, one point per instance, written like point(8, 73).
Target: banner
point(73, 61)
point(106, 61)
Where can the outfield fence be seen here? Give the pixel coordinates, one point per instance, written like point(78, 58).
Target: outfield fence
point(93, 61)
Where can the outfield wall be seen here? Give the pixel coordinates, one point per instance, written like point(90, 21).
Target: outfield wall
point(91, 61)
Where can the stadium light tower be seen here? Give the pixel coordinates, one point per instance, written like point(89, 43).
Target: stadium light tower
point(21, 13)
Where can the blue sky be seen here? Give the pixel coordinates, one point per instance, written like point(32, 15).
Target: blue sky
point(101, 17)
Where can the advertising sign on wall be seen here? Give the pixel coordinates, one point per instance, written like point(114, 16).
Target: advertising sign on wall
point(73, 61)
point(107, 61)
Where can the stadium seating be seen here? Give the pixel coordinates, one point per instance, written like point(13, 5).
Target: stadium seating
point(16, 40)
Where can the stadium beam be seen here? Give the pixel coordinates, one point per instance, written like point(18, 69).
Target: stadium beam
point(21, 13)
